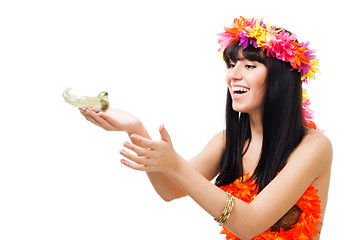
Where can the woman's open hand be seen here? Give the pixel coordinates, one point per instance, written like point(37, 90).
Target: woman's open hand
point(151, 155)
point(113, 120)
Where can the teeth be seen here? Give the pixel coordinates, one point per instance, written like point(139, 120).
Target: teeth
point(241, 89)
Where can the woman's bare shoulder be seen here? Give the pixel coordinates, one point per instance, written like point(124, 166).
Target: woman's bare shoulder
point(315, 135)
point(315, 150)
point(316, 139)
point(220, 138)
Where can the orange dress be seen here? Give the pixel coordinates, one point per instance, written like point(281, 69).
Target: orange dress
point(303, 229)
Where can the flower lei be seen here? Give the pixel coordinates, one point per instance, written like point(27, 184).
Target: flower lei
point(309, 203)
point(279, 44)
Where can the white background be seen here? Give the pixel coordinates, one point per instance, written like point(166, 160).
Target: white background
point(60, 176)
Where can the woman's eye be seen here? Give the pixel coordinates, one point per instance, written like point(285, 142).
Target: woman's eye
point(250, 66)
point(231, 65)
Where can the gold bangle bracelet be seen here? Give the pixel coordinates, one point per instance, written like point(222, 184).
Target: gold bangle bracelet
point(228, 209)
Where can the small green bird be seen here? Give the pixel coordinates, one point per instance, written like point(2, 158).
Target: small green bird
point(97, 104)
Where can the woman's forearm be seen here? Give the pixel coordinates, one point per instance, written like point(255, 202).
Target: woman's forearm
point(166, 189)
point(212, 199)
point(201, 190)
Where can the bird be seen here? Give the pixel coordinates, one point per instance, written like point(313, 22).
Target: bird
point(97, 104)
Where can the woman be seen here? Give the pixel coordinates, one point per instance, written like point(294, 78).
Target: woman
point(269, 157)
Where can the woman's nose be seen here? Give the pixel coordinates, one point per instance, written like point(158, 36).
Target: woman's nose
point(236, 73)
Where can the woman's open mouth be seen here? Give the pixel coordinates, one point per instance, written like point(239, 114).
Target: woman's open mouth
point(240, 90)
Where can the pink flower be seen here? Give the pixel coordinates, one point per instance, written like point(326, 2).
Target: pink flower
point(225, 39)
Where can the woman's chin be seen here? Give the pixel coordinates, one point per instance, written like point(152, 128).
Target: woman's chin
point(239, 107)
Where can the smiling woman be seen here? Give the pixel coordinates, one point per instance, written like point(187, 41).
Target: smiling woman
point(61, 175)
point(272, 168)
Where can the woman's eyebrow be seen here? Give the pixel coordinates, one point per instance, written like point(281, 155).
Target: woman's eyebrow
point(241, 59)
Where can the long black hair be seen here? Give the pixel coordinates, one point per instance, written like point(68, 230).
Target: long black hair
point(282, 119)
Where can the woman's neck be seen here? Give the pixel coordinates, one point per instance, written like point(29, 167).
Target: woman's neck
point(256, 128)
point(253, 153)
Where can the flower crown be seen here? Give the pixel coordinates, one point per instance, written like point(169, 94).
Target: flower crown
point(279, 44)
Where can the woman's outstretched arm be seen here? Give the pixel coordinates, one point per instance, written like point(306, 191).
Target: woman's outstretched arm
point(206, 162)
point(309, 162)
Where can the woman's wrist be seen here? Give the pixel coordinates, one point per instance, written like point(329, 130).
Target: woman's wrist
point(139, 129)
point(177, 167)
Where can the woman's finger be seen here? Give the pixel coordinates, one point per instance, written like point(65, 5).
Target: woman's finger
point(138, 150)
point(105, 124)
point(107, 117)
point(89, 118)
point(97, 120)
point(133, 165)
point(164, 134)
point(142, 142)
point(134, 158)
